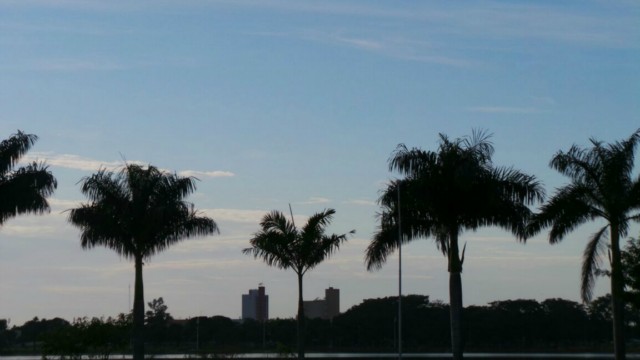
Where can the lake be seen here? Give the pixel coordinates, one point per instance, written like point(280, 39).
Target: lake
point(380, 356)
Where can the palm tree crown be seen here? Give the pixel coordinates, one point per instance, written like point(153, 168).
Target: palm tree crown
point(279, 243)
point(138, 212)
point(282, 245)
point(444, 193)
point(601, 187)
point(25, 189)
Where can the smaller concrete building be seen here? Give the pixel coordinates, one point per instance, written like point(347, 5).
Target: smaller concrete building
point(324, 309)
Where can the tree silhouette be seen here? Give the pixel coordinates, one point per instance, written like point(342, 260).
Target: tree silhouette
point(631, 273)
point(602, 187)
point(281, 244)
point(138, 212)
point(25, 189)
point(445, 192)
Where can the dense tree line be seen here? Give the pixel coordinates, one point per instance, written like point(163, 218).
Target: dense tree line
point(510, 325)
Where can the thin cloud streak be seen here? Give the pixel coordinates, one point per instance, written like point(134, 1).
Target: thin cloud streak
point(396, 48)
point(504, 110)
point(210, 174)
point(360, 202)
point(73, 65)
point(76, 162)
point(557, 22)
point(315, 200)
point(235, 215)
point(361, 43)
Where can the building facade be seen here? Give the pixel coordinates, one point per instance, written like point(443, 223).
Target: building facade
point(255, 305)
point(324, 309)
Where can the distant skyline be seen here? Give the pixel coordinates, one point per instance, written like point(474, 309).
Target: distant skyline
point(278, 102)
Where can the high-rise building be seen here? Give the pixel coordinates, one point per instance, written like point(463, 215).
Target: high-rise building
point(332, 297)
point(324, 309)
point(255, 305)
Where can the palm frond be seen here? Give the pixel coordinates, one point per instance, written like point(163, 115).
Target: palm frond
point(279, 243)
point(104, 185)
point(591, 260)
point(100, 226)
point(569, 207)
point(410, 161)
point(384, 243)
point(625, 152)
point(176, 226)
point(479, 143)
point(277, 222)
point(316, 224)
point(13, 148)
point(323, 248)
point(26, 190)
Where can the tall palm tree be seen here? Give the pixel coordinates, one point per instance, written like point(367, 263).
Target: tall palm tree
point(442, 194)
point(281, 244)
point(602, 187)
point(25, 189)
point(138, 212)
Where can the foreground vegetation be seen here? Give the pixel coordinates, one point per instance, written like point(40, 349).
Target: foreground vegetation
point(511, 325)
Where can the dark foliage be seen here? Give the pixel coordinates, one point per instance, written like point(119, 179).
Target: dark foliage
point(510, 326)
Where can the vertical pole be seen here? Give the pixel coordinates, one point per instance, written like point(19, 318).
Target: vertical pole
point(291, 212)
point(399, 278)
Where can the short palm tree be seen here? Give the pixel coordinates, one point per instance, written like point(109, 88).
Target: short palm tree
point(25, 189)
point(443, 193)
point(281, 244)
point(138, 212)
point(602, 187)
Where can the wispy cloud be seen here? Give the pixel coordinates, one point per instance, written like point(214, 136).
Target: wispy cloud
point(211, 174)
point(504, 110)
point(64, 4)
point(550, 21)
point(77, 162)
point(75, 65)
point(448, 33)
point(315, 200)
point(211, 264)
point(361, 43)
point(389, 46)
point(235, 215)
point(29, 231)
point(361, 202)
point(62, 204)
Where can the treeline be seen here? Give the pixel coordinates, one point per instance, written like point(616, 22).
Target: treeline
point(511, 325)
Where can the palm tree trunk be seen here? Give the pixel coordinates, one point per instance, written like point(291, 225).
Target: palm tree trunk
point(455, 297)
point(300, 322)
point(138, 313)
point(617, 290)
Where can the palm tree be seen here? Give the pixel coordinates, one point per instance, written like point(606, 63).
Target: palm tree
point(23, 190)
point(138, 212)
point(444, 193)
point(602, 187)
point(281, 244)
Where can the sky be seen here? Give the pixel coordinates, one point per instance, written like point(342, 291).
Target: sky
point(277, 102)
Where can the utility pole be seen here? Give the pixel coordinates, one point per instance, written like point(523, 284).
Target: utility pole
point(399, 277)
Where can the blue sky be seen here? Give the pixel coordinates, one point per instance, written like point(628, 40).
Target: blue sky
point(274, 102)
